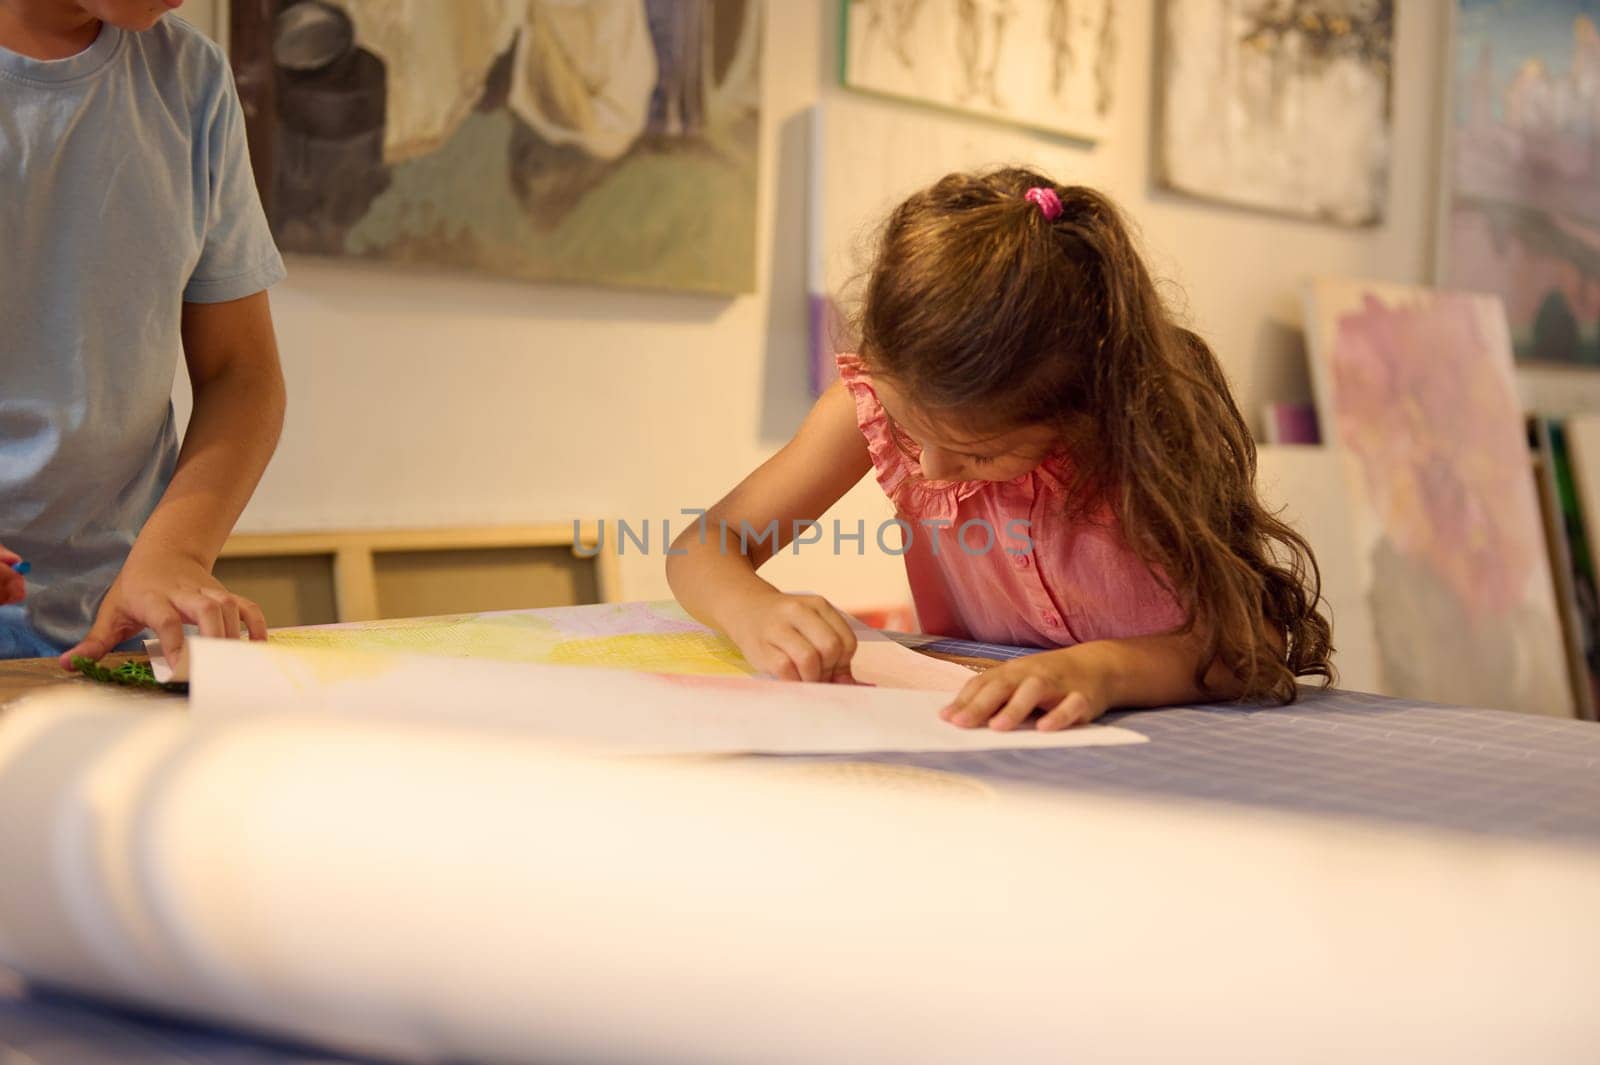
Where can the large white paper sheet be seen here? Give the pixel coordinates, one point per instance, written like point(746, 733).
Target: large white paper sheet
point(510, 636)
point(621, 711)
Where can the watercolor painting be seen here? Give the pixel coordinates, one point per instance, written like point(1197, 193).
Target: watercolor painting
point(1048, 64)
point(654, 637)
point(1415, 388)
point(1522, 175)
point(1279, 105)
point(608, 141)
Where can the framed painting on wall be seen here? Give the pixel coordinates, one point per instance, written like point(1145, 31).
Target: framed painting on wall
point(1415, 390)
point(612, 141)
point(1046, 64)
point(1521, 195)
point(1278, 105)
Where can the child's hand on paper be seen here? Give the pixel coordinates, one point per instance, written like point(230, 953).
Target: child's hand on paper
point(1066, 684)
point(163, 590)
point(13, 587)
point(793, 637)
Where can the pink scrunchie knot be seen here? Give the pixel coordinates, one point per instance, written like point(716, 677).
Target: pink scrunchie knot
point(1046, 200)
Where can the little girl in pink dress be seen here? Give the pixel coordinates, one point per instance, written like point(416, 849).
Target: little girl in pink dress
point(1068, 469)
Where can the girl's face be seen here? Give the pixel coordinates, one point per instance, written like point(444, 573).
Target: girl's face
point(946, 452)
point(135, 15)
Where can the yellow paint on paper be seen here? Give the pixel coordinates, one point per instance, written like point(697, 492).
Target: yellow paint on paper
point(656, 638)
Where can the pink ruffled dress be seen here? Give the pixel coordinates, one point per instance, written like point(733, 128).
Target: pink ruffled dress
point(978, 572)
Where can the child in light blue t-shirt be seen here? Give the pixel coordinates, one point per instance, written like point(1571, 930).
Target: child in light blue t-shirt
point(131, 231)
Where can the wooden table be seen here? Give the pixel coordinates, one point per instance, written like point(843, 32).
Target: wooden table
point(20, 676)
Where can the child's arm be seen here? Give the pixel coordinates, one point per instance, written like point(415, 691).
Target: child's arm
point(232, 357)
point(798, 637)
point(1075, 685)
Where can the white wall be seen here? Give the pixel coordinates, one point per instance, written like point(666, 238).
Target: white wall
point(425, 399)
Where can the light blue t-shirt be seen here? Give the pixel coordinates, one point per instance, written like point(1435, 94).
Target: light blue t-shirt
point(125, 191)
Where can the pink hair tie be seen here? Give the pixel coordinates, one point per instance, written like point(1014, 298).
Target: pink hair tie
point(1046, 200)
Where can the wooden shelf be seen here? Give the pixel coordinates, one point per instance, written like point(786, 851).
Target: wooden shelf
point(308, 578)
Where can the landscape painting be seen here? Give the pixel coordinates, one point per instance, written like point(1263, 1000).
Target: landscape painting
point(1522, 177)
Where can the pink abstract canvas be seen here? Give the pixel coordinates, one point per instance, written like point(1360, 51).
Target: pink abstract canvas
point(1415, 388)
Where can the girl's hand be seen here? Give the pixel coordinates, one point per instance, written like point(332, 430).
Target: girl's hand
point(1066, 684)
point(794, 637)
point(13, 588)
point(163, 591)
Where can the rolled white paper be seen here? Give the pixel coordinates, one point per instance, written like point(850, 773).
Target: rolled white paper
point(434, 893)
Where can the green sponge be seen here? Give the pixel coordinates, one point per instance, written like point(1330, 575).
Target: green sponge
point(132, 674)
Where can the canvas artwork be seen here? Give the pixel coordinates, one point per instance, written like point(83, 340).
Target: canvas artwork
point(1281, 105)
point(604, 141)
point(1522, 176)
point(1415, 388)
point(1048, 64)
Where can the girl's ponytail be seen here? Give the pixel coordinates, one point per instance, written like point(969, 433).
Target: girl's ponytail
point(1179, 464)
point(1009, 299)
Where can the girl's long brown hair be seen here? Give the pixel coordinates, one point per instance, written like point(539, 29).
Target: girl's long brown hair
point(987, 313)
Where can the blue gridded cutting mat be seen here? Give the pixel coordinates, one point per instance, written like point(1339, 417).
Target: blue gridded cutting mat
point(1334, 752)
point(1337, 753)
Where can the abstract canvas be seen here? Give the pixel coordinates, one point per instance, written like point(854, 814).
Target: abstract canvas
point(1281, 105)
point(1042, 63)
point(1522, 175)
point(1415, 389)
point(604, 141)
